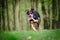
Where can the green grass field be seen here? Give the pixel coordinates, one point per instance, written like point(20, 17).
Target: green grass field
point(31, 35)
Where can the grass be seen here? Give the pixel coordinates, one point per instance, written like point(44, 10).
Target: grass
point(31, 35)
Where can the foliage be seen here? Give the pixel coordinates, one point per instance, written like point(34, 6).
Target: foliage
point(13, 15)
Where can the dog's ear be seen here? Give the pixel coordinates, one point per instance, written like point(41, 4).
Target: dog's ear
point(27, 12)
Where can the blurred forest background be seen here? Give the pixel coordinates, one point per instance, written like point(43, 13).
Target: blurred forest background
point(13, 16)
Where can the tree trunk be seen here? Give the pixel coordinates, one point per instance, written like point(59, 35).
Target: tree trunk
point(36, 4)
point(16, 14)
point(6, 25)
point(51, 15)
point(59, 13)
point(7, 15)
point(10, 14)
point(54, 13)
point(3, 15)
point(44, 14)
point(0, 14)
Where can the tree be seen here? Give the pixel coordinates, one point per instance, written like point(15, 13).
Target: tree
point(36, 4)
point(0, 14)
point(44, 14)
point(16, 14)
point(3, 15)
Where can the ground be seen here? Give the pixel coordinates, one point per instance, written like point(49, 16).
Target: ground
point(31, 35)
